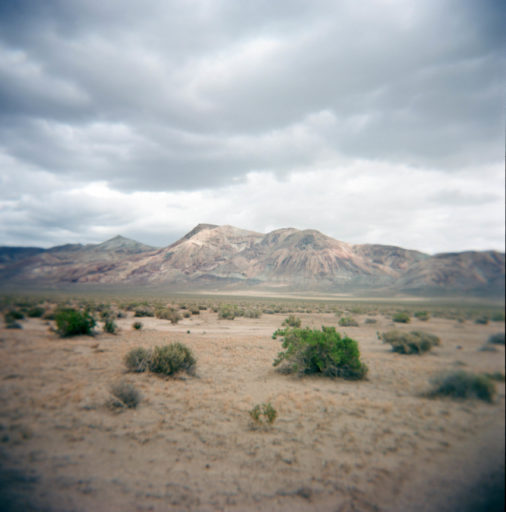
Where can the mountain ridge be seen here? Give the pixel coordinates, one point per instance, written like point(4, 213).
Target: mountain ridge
point(226, 257)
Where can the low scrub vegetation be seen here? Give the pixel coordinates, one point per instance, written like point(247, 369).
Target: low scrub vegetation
point(138, 359)
point(167, 359)
point(12, 316)
point(168, 314)
point(497, 339)
point(402, 317)
point(422, 315)
point(36, 312)
point(462, 385)
point(137, 326)
point(72, 322)
point(325, 352)
point(125, 395)
point(415, 342)
point(227, 312)
point(263, 414)
point(292, 321)
point(144, 312)
point(348, 321)
point(172, 358)
point(497, 316)
point(230, 311)
point(110, 326)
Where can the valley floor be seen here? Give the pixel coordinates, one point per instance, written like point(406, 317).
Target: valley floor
point(374, 445)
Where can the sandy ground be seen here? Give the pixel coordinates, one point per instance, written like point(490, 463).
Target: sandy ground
point(375, 445)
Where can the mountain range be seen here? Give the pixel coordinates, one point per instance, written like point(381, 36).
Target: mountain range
point(212, 257)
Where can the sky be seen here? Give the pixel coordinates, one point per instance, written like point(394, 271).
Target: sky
point(379, 121)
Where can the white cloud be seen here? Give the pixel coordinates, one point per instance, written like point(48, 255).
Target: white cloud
point(356, 202)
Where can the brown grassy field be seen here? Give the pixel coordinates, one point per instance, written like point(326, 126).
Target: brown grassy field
point(190, 445)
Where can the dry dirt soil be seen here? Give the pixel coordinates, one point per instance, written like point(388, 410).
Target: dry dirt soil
point(190, 445)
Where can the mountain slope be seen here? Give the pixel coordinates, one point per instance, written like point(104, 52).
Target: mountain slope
point(226, 257)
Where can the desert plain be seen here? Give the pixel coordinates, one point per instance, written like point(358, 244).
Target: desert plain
point(378, 444)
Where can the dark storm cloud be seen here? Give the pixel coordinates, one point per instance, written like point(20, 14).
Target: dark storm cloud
point(416, 82)
point(197, 96)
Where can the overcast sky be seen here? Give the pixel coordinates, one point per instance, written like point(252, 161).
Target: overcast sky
point(378, 121)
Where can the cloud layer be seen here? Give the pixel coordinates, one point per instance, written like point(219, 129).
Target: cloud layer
point(378, 121)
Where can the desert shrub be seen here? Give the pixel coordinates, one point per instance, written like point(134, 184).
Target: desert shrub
point(143, 312)
point(422, 315)
point(202, 307)
point(402, 317)
point(105, 314)
point(137, 325)
point(498, 376)
point(498, 316)
point(168, 314)
point(172, 358)
point(497, 339)
point(71, 322)
point(326, 352)
point(252, 313)
point(461, 384)
point(292, 321)
point(125, 395)
point(481, 320)
point(13, 315)
point(487, 347)
point(415, 342)
point(370, 320)
point(138, 359)
point(187, 314)
point(110, 326)
point(13, 325)
point(263, 414)
point(227, 311)
point(348, 321)
point(195, 310)
point(36, 312)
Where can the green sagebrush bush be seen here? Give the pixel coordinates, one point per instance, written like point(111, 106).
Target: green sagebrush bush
point(325, 352)
point(461, 385)
point(71, 322)
point(415, 342)
point(137, 325)
point(172, 358)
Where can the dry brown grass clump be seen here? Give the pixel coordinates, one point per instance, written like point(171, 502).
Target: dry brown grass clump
point(415, 342)
point(462, 385)
point(167, 359)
